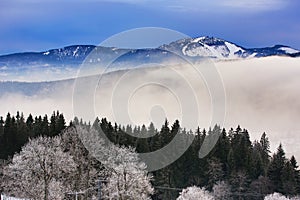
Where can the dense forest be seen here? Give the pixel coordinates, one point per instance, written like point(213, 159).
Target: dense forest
point(16, 130)
point(246, 167)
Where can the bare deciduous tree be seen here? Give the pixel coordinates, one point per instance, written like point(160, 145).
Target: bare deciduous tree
point(127, 177)
point(39, 171)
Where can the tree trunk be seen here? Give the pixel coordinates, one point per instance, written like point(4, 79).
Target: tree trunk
point(46, 188)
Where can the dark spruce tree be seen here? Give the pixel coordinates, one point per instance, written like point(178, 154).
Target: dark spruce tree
point(15, 131)
point(275, 170)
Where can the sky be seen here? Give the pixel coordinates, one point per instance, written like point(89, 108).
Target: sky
point(34, 25)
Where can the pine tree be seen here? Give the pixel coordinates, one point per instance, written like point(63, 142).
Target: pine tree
point(1, 126)
point(142, 145)
point(10, 129)
point(52, 127)
point(2, 139)
point(265, 151)
point(276, 168)
point(60, 123)
point(215, 172)
point(288, 177)
point(165, 133)
point(29, 124)
point(297, 173)
point(257, 162)
point(45, 126)
point(241, 149)
point(22, 134)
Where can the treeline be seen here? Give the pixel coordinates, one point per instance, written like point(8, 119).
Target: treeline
point(247, 167)
point(16, 130)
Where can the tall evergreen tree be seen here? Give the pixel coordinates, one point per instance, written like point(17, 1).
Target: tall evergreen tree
point(52, 127)
point(265, 151)
point(142, 145)
point(276, 167)
point(29, 124)
point(288, 178)
point(257, 162)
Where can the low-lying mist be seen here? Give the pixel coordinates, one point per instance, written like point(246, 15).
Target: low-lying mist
point(261, 95)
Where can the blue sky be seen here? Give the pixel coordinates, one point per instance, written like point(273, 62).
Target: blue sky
point(34, 25)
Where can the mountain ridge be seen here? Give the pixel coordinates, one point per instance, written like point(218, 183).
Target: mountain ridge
point(77, 51)
point(58, 62)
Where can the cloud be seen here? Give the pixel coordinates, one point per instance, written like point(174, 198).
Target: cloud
point(255, 5)
point(214, 5)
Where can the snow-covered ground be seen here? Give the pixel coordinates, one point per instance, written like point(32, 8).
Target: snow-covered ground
point(3, 197)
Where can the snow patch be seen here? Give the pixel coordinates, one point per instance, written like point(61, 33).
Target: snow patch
point(75, 52)
point(183, 50)
point(289, 50)
point(252, 55)
point(226, 51)
point(46, 53)
point(3, 197)
point(233, 49)
point(196, 40)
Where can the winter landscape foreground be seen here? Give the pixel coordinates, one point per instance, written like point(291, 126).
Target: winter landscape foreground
point(57, 164)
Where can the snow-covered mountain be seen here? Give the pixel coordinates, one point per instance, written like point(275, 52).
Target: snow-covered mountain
point(64, 62)
point(221, 49)
point(189, 47)
point(70, 55)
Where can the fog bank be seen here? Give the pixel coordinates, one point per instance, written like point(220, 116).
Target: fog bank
point(261, 95)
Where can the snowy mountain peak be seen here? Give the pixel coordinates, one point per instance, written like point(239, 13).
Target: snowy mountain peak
point(206, 47)
point(211, 47)
point(289, 50)
point(209, 40)
point(193, 48)
point(220, 49)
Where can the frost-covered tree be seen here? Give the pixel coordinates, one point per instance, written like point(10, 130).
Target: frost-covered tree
point(295, 198)
point(261, 186)
point(221, 191)
point(39, 171)
point(215, 172)
point(239, 182)
point(2, 164)
point(88, 168)
point(275, 196)
point(126, 176)
point(194, 192)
